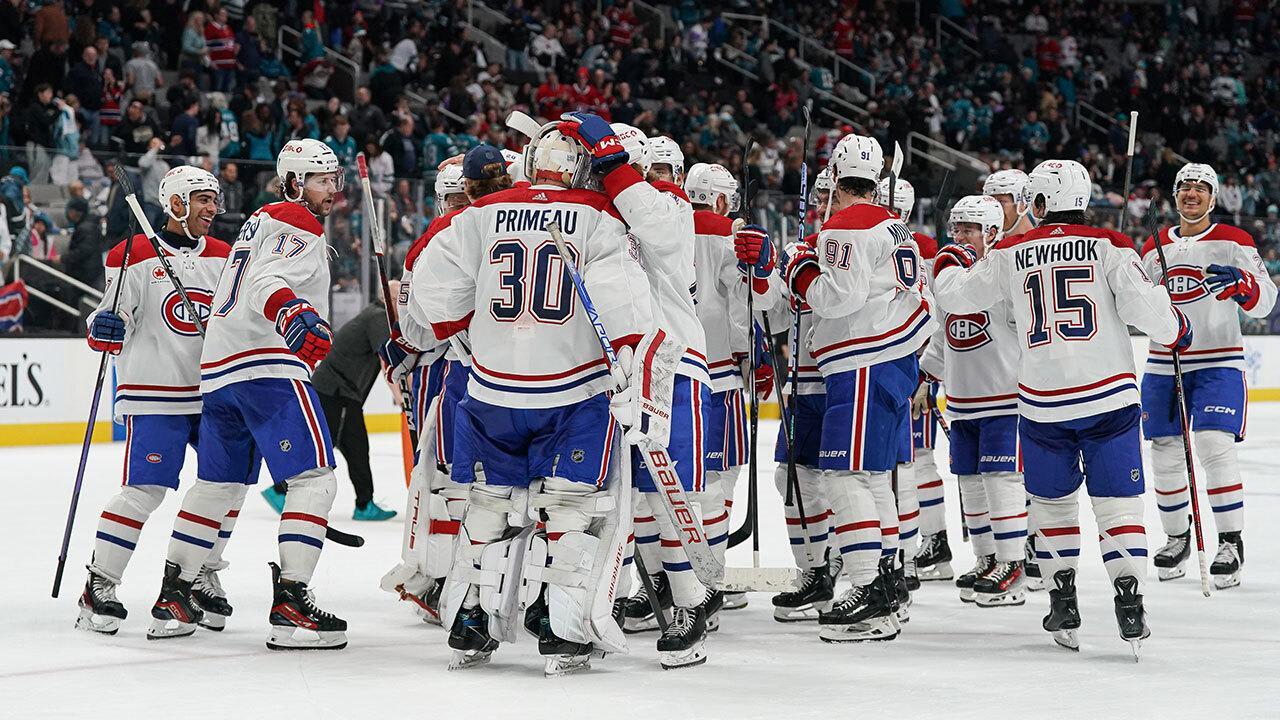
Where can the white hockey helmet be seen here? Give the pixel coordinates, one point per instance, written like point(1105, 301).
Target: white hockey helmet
point(554, 156)
point(1008, 182)
point(857, 156)
point(515, 164)
point(448, 182)
point(904, 196)
point(824, 182)
point(982, 210)
point(706, 182)
point(1064, 185)
point(665, 151)
point(182, 181)
point(1197, 172)
point(307, 157)
point(635, 143)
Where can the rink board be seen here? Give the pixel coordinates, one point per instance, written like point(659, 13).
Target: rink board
point(46, 387)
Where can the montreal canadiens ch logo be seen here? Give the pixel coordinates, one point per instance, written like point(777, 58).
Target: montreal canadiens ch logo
point(176, 315)
point(1186, 284)
point(968, 332)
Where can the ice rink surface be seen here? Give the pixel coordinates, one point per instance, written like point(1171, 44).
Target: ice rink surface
point(1207, 657)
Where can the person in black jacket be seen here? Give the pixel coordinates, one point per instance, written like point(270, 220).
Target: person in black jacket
point(83, 258)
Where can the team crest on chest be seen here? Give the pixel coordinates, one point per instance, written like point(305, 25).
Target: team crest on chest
point(1186, 284)
point(175, 312)
point(968, 332)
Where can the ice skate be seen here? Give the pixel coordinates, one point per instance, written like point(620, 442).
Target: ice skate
point(207, 591)
point(294, 609)
point(1229, 561)
point(1031, 568)
point(734, 601)
point(1063, 619)
point(637, 613)
point(712, 604)
point(562, 657)
point(896, 581)
point(863, 613)
point(1130, 613)
point(175, 613)
point(1003, 584)
point(965, 582)
point(100, 610)
point(683, 644)
point(1170, 560)
point(817, 590)
point(933, 559)
point(911, 574)
point(470, 639)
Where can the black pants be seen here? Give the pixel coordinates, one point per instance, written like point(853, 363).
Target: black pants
point(351, 437)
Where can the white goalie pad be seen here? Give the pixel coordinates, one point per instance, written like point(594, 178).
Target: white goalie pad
point(437, 548)
point(497, 578)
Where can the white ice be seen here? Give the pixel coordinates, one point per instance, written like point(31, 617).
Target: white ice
point(1218, 656)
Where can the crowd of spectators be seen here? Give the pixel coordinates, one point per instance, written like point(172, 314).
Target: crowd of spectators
point(86, 84)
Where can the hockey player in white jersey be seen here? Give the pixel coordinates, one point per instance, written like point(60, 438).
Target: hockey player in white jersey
point(665, 159)
point(864, 283)
point(1215, 273)
point(157, 348)
point(535, 436)
point(660, 218)
point(977, 360)
point(1075, 289)
point(266, 334)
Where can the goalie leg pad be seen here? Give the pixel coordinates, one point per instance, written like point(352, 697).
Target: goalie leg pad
point(486, 569)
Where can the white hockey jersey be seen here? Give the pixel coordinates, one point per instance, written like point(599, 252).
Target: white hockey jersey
point(975, 355)
point(158, 368)
point(721, 298)
point(1215, 324)
point(281, 254)
point(778, 302)
point(869, 301)
point(495, 270)
point(1073, 289)
point(660, 217)
point(415, 328)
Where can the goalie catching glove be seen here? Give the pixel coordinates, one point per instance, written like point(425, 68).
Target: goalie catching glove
point(646, 380)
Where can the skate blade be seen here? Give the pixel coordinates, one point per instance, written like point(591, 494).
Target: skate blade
point(713, 623)
point(213, 621)
point(285, 637)
point(1068, 639)
point(1172, 573)
point(1222, 582)
point(876, 630)
point(1009, 599)
point(804, 613)
point(467, 659)
point(561, 665)
point(934, 573)
point(734, 602)
point(632, 626)
point(101, 624)
point(1034, 584)
point(902, 616)
point(967, 596)
point(674, 660)
point(167, 629)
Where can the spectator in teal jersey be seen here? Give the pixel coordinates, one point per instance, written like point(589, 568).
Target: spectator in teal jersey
point(6, 67)
point(312, 47)
point(438, 145)
point(343, 145)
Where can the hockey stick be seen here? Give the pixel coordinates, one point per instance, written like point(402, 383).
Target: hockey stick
point(379, 251)
point(675, 501)
point(946, 430)
point(749, 525)
point(121, 183)
point(788, 416)
point(802, 207)
point(1128, 169)
point(1181, 398)
point(652, 592)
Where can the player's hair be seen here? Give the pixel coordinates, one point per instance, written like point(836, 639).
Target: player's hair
point(702, 206)
point(858, 187)
point(1066, 217)
point(476, 189)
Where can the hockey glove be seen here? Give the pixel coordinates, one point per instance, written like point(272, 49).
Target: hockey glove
point(762, 374)
point(304, 331)
point(1183, 339)
point(955, 255)
point(398, 356)
point(800, 268)
point(921, 401)
point(754, 250)
point(106, 332)
point(597, 137)
point(646, 378)
point(1232, 282)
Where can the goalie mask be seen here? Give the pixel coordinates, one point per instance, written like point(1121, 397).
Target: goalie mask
point(183, 181)
point(553, 157)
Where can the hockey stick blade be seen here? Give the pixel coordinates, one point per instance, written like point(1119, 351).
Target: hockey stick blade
point(759, 579)
point(343, 538)
point(523, 124)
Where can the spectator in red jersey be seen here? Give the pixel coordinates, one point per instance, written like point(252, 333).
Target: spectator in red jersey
point(622, 24)
point(552, 97)
point(1048, 54)
point(221, 42)
point(843, 34)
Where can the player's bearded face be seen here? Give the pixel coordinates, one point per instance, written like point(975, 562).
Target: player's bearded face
point(204, 207)
point(1194, 200)
point(320, 191)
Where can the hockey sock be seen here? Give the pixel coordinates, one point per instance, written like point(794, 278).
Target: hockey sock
point(1217, 451)
point(857, 531)
point(1122, 535)
point(1168, 461)
point(224, 533)
point(1007, 497)
point(908, 510)
point(686, 591)
point(973, 494)
point(646, 532)
point(818, 515)
point(1058, 534)
point(302, 524)
point(195, 530)
point(881, 485)
point(715, 514)
point(120, 526)
point(931, 495)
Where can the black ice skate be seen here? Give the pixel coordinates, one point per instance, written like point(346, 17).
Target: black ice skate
point(1229, 561)
point(100, 610)
point(207, 591)
point(1063, 619)
point(563, 657)
point(933, 559)
point(1130, 614)
point(965, 581)
point(175, 613)
point(896, 582)
point(470, 639)
point(293, 609)
point(817, 590)
point(683, 644)
point(1003, 584)
point(911, 574)
point(1031, 566)
point(734, 601)
point(712, 603)
point(637, 612)
point(863, 613)
point(1171, 559)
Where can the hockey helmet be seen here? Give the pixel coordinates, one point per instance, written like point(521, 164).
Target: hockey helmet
point(665, 151)
point(857, 156)
point(635, 143)
point(982, 210)
point(904, 196)
point(1064, 185)
point(449, 182)
point(705, 183)
point(305, 157)
point(1008, 182)
point(182, 182)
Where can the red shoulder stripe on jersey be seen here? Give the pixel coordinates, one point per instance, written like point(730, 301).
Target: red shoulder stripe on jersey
point(446, 330)
point(670, 187)
point(706, 222)
point(420, 244)
point(213, 247)
point(621, 178)
point(140, 250)
point(1119, 240)
point(294, 214)
point(862, 216)
point(546, 194)
point(812, 240)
